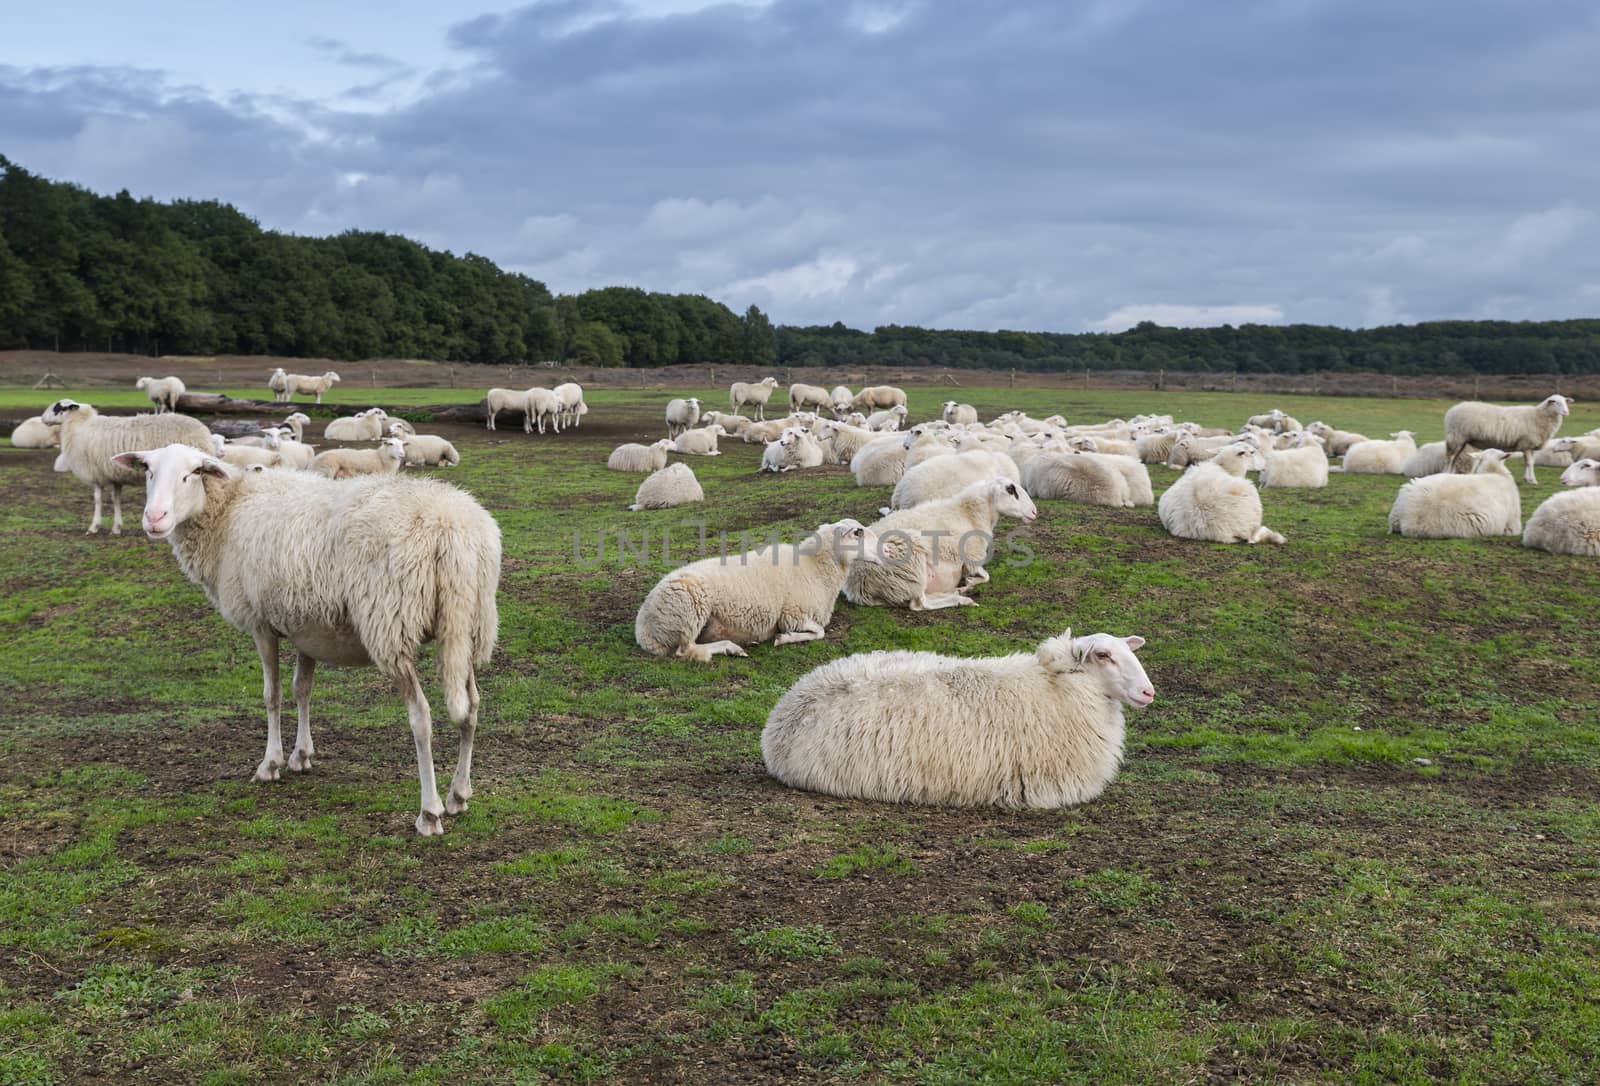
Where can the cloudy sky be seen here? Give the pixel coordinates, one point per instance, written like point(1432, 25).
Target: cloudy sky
point(1039, 164)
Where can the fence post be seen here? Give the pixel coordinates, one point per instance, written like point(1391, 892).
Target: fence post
point(1474, 386)
point(1235, 381)
point(1013, 378)
point(1394, 385)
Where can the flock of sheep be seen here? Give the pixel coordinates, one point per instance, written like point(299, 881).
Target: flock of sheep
point(356, 567)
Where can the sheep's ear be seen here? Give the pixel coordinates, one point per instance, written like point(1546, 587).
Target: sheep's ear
point(212, 466)
point(134, 461)
point(1135, 642)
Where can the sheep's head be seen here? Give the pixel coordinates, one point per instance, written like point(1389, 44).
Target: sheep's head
point(393, 448)
point(1403, 435)
point(1584, 472)
point(1010, 500)
point(693, 401)
point(1238, 458)
point(770, 382)
point(664, 443)
point(1559, 404)
point(218, 443)
point(60, 411)
point(331, 376)
point(397, 428)
point(175, 487)
point(1487, 461)
point(849, 541)
point(1083, 443)
point(143, 382)
point(1108, 659)
point(299, 416)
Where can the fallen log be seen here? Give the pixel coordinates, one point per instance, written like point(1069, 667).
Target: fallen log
point(214, 403)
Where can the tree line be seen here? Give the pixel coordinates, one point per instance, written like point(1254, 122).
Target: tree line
point(81, 271)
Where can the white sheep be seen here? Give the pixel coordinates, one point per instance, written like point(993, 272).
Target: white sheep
point(368, 425)
point(293, 453)
point(1336, 442)
point(278, 385)
point(841, 397)
point(1077, 477)
point(297, 422)
point(1448, 506)
point(1194, 448)
point(735, 425)
point(1109, 446)
point(497, 400)
point(925, 441)
point(1213, 501)
point(699, 442)
point(880, 462)
point(1380, 457)
point(1155, 447)
point(959, 414)
point(1133, 472)
point(541, 405)
point(163, 391)
point(783, 592)
point(887, 420)
point(795, 448)
point(352, 573)
point(570, 396)
point(244, 456)
point(934, 552)
point(1569, 522)
point(298, 384)
point(947, 476)
point(427, 450)
point(682, 414)
point(347, 463)
point(841, 442)
point(759, 433)
point(1302, 466)
point(752, 393)
point(878, 397)
point(1041, 729)
point(673, 485)
point(1475, 425)
point(89, 440)
point(804, 396)
point(635, 457)
point(35, 433)
point(1428, 459)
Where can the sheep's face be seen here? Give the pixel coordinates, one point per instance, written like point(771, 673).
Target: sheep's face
point(1559, 404)
point(1240, 458)
point(1013, 501)
point(664, 443)
point(1083, 444)
point(330, 375)
point(299, 416)
point(57, 413)
point(218, 443)
point(851, 541)
point(174, 485)
point(393, 448)
point(1582, 473)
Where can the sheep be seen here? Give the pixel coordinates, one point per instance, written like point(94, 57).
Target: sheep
point(1555, 453)
point(1275, 421)
point(935, 551)
point(878, 397)
point(1039, 730)
point(296, 384)
point(1156, 447)
point(365, 426)
point(244, 456)
point(35, 433)
point(1304, 466)
point(759, 433)
point(880, 462)
point(682, 415)
point(735, 425)
point(278, 385)
point(1109, 446)
point(925, 441)
point(701, 442)
point(1194, 449)
point(888, 420)
point(1569, 522)
point(1337, 442)
point(294, 454)
point(840, 442)
point(163, 391)
point(673, 485)
point(1427, 460)
point(297, 422)
point(1213, 501)
point(261, 439)
point(959, 414)
point(427, 450)
point(795, 448)
point(1133, 473)
point(1077, 477)
point(358, 573)
point(347, 463)
point(947, 476)
point(1448, 506)
point(754, 393)
point(396, 427)
point(783, 592)
point(541, 405)
point(801, 396)
point(1380, 457)
point(636, 457)
point(497, 400)
point(841, 397)
point(1523, 429)
point(570, 396)
point(89, 440)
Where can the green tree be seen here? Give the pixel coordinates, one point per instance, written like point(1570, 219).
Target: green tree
point(596, 345)
point(758, 343)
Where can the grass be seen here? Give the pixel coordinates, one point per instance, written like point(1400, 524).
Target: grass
point(1354, 839)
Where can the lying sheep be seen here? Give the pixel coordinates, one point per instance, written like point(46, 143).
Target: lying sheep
point(1336, 442)
point(934, 552)
point(297, 422)
point(1194, 449)
point(1077, 477)
point(89, 441)
point(1133, 472)
point(753, 394)
point(244, 456)
point(298, 384)
point(163, 391)
point(673, 485)
point(682, 414)
point(1428, 459)
point(294, 454)
point(878, 397)
point(1034, 730)
point(369, 425)
point(1523, 429)
point(1213, 501)
point(1450, 506)
point(635, 457)
point(1569, 522)
point(840, 442)
point(35, 433)
point(700, 442)
point(352, 574)
point(347, 463)
point(959, 414)
point(782, 592)
point(946, 476)
point(427, 450)
point(795, 448)
point(1107, 445)
point(923, 442)
point(759, 433)
point(1303, 466)
point(735, 425)
point(802, 396)
point(1380, 457)
point(1155, 448)
point(881, 462)
point(886, 421)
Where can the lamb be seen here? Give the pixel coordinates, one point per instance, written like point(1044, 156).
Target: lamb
point(682, 415)
point(947, 476)
point(89, 440)
point(348, 463)
point(934, 552)
point(351, 573)
point(888, 420)
point(1213, 501)
point(497, 400)
point(754, 393)
point(878, 397)
point(1569, 522)
point(673, 485)
point(1380, 457)
point(1447, 506)
point(841, 397)
point(427, 450)
point(1302, 466)
point(1077, 477)
point(781, 591)
point(366, 426)
point(1427, 460)
point(959, 414)
point(701, 442)
point(880, 462)
point(296, 384)
point(636, 457)
point(278, 385)
point(570, 396)
point(35, 433)
point(1337, 442)
point(163, 391)
point(1033, 730)
point(1523, 429)
point(802, 396)
point(840, 442)
point(539, 406)
point(795, 448)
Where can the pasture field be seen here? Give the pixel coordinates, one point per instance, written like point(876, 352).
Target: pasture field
point(1356, 838)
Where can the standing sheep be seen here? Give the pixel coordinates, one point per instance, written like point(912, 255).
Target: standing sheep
point(1380, 457)
point(278, 385)
point(1213, 501)
point(1039, 730)
point(359, 573)
point(804, 396)
point(841, 397)
point(497, 400)
point(752, 393)
point(682, 415)
point(959, 414)
point(782, 592)
point(1521, 429)
point(878, 397)
point(163, 391)
point(570, 396)
point(636, 457)
point(673, 485)
point(35, 433)
point(297, 384)
point(347, 463)
point(1450, 506)
point(89, 441)
point(1569, 522)
point(541, 405)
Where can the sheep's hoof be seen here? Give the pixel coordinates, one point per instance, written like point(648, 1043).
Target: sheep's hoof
point(93, 530)
point(299, 760)
point(429, 824)
point(456, 804)
point(268, 770)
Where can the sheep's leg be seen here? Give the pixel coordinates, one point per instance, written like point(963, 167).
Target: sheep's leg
point(461, 782)
point(116, 508)
point(272, 762)
point(304, 669)
point(975, 575)
point(701, 653)
point(1527, 470)
point(939, 601)
point(811, 631)
point(94, 524)
point(430, 819)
